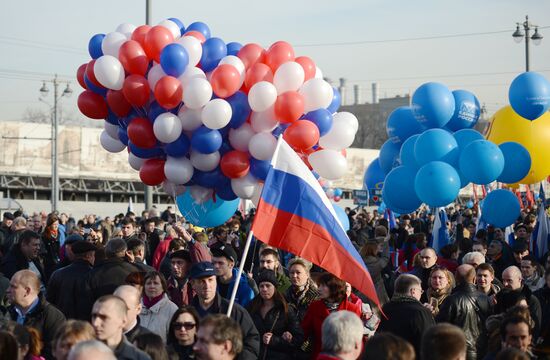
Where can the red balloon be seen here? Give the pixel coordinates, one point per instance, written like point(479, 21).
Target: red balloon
point(90, 74)
point(133, 58)
point(308, 65)
point(225, 80)
point(302, 135)
point(168, 92)
point(118, 103)
point(139, 34)
point(155, 40)
point(152, 172)
point(337, 198)
point(256, 73)
point(278, 54)
point(92, 105)
point(140, 132)
point(80, 75)
point(251, 54)
point(197, 35)
point(289, 106)
point(136, 90)
point(235, 164)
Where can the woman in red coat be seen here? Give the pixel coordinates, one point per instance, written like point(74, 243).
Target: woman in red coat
point(332, 294)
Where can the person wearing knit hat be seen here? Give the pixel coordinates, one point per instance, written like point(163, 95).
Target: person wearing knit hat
point(280, 331)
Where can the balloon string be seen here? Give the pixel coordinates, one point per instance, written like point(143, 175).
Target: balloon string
point(175, 203)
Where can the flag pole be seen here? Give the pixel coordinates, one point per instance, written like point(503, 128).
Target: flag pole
point(239, 273)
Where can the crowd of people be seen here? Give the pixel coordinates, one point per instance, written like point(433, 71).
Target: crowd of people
point(156, 287)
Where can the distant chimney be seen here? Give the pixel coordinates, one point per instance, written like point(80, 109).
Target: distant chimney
point(356, 94)
point(342, 89)
point(375, 93)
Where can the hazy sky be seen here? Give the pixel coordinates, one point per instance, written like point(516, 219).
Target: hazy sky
point(362, 41)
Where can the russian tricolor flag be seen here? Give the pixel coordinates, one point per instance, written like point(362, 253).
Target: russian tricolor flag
point(294, 214)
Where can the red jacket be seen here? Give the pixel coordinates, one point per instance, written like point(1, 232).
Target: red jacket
point(160, 252)
point(313, 320)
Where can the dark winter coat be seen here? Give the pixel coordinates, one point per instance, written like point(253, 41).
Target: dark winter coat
point(15, 261)
point(127, 351)
point(108, 275)
point(376, 265)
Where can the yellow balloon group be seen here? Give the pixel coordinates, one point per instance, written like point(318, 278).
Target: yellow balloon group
point(534, 135)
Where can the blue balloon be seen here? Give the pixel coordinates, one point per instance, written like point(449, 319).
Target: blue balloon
point(92, 87)
point(225, 192)
point(398, 192)
point(233, 48)
point(123, 136)
point(373, 181)
point(179, 24)
point(152, 153)
point(259, 168)
point(467, 111)
point(112, 118)
point(436, 145)
point(225, 148)
point(465, 137)
point(209, 214)
point(280, 129)
point(209, 179)
point(517, 162)
point(500, 208)
point(382, 207)
point(322, 118)
point(406, 155)
point(529, 95)
point(433, 105)
point(437, 183)
point(94, 46)
point(174, 59)
point(178, 148)
point(336, 101)
point(240, 109)
point(470, 204)
point(402, 124)
point(388, 156)
point(205, 140)
point(200, 27)
point(213, 50)
point(342, 216)
point(338, 192)
point(481, 162)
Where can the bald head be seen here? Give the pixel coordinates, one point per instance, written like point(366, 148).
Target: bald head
point(115, 303)
point(465, 274)
point(27, 278)
point(428, 258)
point(512, 278)
point(129, 294)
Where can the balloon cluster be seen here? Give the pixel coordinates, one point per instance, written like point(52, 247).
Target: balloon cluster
point(332, 193)
point(433, 152)
point(200, 114)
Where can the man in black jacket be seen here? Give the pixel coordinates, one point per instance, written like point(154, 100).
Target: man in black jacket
point(406, 316)
point(207, 301)
point(428, 259)
point(111, 273)
point(67, 289)
point(30, 309)
point(468, 308)
point(132, 298)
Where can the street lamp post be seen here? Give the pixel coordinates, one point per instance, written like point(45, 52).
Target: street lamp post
point(148, 190)
point(56, 97)
point(518, 36)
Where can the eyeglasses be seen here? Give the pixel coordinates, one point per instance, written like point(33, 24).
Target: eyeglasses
point(186, 325)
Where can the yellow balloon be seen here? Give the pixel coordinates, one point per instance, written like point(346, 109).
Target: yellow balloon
point(506, 126)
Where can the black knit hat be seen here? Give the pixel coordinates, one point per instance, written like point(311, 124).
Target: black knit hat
point(268, 276)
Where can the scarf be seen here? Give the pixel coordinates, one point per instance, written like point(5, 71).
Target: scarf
point(51, 233)
point(332, 307)
point(148, 303)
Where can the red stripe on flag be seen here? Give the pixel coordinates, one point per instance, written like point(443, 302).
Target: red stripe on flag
point(312, 242)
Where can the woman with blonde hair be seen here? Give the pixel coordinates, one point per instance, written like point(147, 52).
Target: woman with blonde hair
point(71, 333)
point(440, 286)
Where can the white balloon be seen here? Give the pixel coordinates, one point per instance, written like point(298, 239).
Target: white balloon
point(288, 77)
point(167, 128)
point(245, 187)
point(341, 134)
point(257, 194)
point(154, 75)
point(200, 194)
point(197, 93)
point(111, 129)
point(216, 114)
point(330, 193)
point(328, 163)
point(178, 170)
point(237, 63)
point(172, 26)
point(126, 29)
point(240, 138)
point(262, 96)
point(262, 146)
point(264, 121)
point(190, 118)
point(205, 162)
point(109, 72)
point(110, 144)
point(172, 189)
point(135, 162)
point(317, 94)
point(193, 47)
point(112, 42)
point(318, 73)
point(347, 119)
